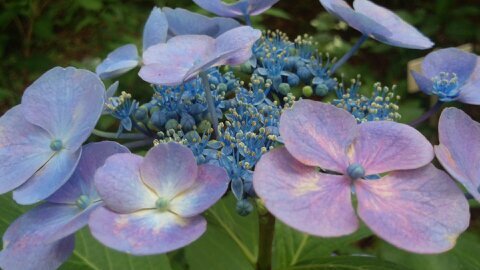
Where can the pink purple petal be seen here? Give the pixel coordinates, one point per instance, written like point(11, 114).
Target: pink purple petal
point(222, 9)
point(402, 34)
point(120, 186)
point(451, 60)
point(67, 102)
point(48, 179)
point(81, 182)
point(181, 53)
point(211, 183)
point(25, 256)
point(424, 84)
point(358, 21)
point(318, 134)
point(184, 22)
point(384, 146)
point(239, 41)
point(470, 93)
point(421, 210)
point(24, 149)
point(257, 7)
point(459, 149)
point(156, 28)
point(303, 198)
point(169, 169)
point(49, 222)
point(118, 62)
point(146, 232)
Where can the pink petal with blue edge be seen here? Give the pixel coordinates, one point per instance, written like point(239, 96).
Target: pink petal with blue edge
point(169, 169)
point(318, 134)
point(168, 63)
point(146, 232)
point(67, 102)
point(120, 186)
point(384, 146)
point(240, 41)
point(421, 210)
point(303, 198)
point(211, 183)
point(459, 149)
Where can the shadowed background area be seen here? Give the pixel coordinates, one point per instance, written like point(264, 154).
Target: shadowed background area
point(36, 35)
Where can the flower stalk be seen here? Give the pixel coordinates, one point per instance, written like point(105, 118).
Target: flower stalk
point(210, 103)
point(428, 114)
point(266, 234)
point(349, 54)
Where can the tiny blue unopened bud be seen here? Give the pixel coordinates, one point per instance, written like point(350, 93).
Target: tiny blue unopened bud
point(141, 113)
point(83, 202)
point(162, 204)
point(158, 119)
point(355, 171)
point(304, 74)
point(293, 80)
point(56, 145)
point(187, 122)
point(244, 207)
point(221, 87)
point(284, 89)
point(171, 124)
point(321, 90)
point(204, 126)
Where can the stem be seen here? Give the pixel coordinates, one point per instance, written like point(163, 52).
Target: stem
point(210, 102)
point(427, 115)
point(266, 224)
point(147, 133)
point(248, 21)
point(349, 54)
point(112, 135)
point(137, 144)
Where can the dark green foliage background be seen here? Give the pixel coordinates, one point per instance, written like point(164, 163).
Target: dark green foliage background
point(36, 35)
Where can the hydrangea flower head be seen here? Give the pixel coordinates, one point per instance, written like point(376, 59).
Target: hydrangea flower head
point(153, 204)
point(184, 57)
point(161, 25)
point(415, 206)
point(241, 8)
point(40, 139)
point(378, 23)
point(46, 232)
point(451, 74)
point(459, 149)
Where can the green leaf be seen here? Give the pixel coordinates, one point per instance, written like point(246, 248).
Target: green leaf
point(228, 238)
point(464, 256)
point(292, 246)
point(348, 263)
point(10, 211)
point(88, 253)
